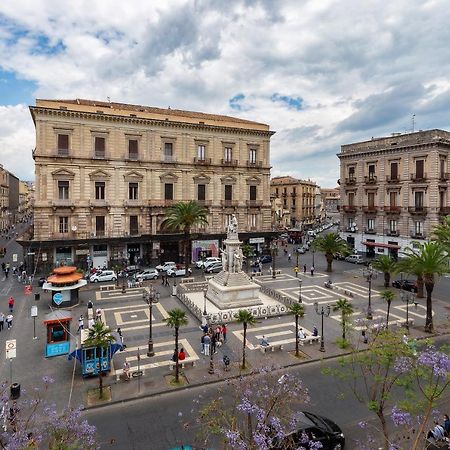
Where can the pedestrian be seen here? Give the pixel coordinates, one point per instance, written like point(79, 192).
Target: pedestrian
point(9, 319)
point(126, 370)
point(304, 269)
point(213, 343)
point(447, 424)
point(166, 280)
point(315, 331)
point(207, 343)
point(119, 332)
point(11, 304)
point(91, 322)
point(98, 315)
point(174, 356)
point(162, 278)
point(202, 340)
point(226, 362)
point(264, 342)
point(312, 271)
point(181, 355)
point(218, 333)
point(289, 257)
point(80, 323)
point(2, 321)
point(224, 332)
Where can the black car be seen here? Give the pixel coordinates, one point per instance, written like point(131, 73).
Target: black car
point(406, 285)
point(315, 428)
point(263, 260)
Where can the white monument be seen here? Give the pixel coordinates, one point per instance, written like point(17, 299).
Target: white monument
point(232, 287)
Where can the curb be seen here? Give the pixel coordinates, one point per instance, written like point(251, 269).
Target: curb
point(234, 377)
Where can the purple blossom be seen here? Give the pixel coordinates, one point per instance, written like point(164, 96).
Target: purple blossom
point(400, 418)
point(403, 364)
point(439, 362)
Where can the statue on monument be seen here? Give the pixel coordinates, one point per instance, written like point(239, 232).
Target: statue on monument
point(237, 260)
point(224, 258)
point(233, 225)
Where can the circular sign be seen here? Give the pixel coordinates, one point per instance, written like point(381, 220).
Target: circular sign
point(58, 298)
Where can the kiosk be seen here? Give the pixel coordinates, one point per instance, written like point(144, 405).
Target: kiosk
point(58, 333)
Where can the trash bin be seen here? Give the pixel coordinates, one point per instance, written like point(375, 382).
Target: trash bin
point(15, 391)
point(37, 296)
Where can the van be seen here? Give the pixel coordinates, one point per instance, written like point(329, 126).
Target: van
point(355, 259)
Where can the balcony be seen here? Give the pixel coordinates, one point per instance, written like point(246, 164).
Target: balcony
point(229, 203)
point(444, 210)
point(392, 232)
point(170, 159)
point(418, 177)
point(62, 152)
point(392, 209)
point(417, 235)
point(202, 161)
point(444, 176)
point(284, 194)
point(63, 203)
point(351, 230)
point(392, 179)
point(350, 181)
point(372, 209)
point(229, 162)
point(133, 203)
point(205, 202)
point(371, 179)
point(369, 231)
point(99, 203)
point(254, 203)
point(419, 210)
point(161, 203)
point(293, 194)
point(349, 208)
point(254, 163)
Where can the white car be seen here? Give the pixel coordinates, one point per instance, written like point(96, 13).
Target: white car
point(148, 274)
point(202, 263)
point(166, 266)
point(214, 268)
point(355, 259)
point(177, 271)
point(103, 275)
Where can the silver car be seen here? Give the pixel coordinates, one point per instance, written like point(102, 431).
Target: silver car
point(148, 274)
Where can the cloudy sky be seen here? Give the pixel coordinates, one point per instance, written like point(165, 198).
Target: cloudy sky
point(321, 73)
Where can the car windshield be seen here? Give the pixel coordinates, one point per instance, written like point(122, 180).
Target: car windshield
point(316, 420)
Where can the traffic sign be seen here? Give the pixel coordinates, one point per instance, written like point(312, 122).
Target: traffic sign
point(10, 348)
point(14, 257)
point(58, 298)
point(34, 311)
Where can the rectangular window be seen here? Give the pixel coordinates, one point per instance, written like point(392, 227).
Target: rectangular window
point(201, 192)
point(371, 224)
point(201, 152)
point(350, 222)
point(168, 150)
point(418, 199)
point(371, 171)
point(276, 192)
point(228, 219)
point(253, 193)
point(394, 171)
point(228, 155)
point(63, 190)
point(168, 191)
point(393, 198)
point(393, 226)
point(100, 225)
point(418, 228)
point(99, 147)
point(253, 220)
point(63, 144)
point(420, 168)
point(371, 199)
point(100, 190)
point(351, 172)
point(252, 156)
point(441, 199)
point(351, 199)
point(133, 149)
point(228, 192)
point(134, 225)
point(63, 224)
point(133, 191)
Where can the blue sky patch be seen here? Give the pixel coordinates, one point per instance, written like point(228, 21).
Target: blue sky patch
point(14, 91)
point(236, 102)
point(290, 102)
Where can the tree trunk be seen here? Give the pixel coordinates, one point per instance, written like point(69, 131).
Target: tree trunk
point(420, 286)
point(343, 326)
point(243, 347)
point(187, 259)
point(296, 336)
point(387, 278)
point(429, 320)
point(387, 315)
point(384, 429)
point(329, 263)
point(177, 369)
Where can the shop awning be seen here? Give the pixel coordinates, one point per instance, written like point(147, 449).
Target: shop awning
point(381, 245)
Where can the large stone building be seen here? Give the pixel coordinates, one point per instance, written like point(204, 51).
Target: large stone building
point(299, 197)
point(9, 199)
point(394, 190)
point(331, 201)
point(107, 172)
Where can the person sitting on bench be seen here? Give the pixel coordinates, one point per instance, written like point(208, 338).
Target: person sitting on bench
point(264, 342)
point(315, 332)
point(301, 334)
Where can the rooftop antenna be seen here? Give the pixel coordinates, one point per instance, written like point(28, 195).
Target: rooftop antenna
point(413, 122)
point(109, 99)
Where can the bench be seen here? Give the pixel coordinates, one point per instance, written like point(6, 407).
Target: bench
point(108, 287)
point(270, 348)
point(403, 324)
point(187, 280)
point(182, 364)
point(310, 339)
point(120, 374)
point(277, 272)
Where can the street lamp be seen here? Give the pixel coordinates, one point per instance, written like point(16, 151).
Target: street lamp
point(369, 273)
point(150, 296)
point(205, 290)
point(300, 290)
point(323, 311)
point(296, 263)
point(408, 298)
point(211, 360)
point(273, 252)
point(313, 251)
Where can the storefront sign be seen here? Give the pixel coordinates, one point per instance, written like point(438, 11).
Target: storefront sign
point(258, 240)
point(82, 251)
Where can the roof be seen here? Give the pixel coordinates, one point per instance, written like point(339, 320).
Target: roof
point(144, 111)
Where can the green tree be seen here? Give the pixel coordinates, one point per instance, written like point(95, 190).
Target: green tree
point(100, 337)
point(441, 233)
point(409, 265)
point(388, 296)
point(387, 265)
point(429, 259)
point(299, 311)
point(331, 244)
point(176, 319)
point(183, 216)
point(248, 252)
point(246, 318)
point(346, 309)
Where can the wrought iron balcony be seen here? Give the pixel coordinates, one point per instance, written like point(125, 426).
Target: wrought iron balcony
point(370, 231)
point(371, 179)
point(418, 177)
point(229, 203)
point(393, 179)
point(350, 180)
point(370, 209)
point(202, 161)
point(388, 232)
point(349, 208)
point(417, 235)
point(229, 162)
point(350, 230)
point(444, 176)
point(444, 210)
point(171, 159)
point(254, 203)
point(254, 163)
point(392, 209)
point(417, 210)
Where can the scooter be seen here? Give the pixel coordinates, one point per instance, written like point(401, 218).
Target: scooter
point(328, 284)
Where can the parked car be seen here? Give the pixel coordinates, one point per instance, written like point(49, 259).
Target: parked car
point(203, 263)
point(317, 429)
point(264, 259)
point(340, 256)
point(178, 271)
point(302, 250)
point(214, 268)
point(132, 269)
point(355, 259)
point(103, 275)
point(406, 285)
point(166, 266)
point(148, 274)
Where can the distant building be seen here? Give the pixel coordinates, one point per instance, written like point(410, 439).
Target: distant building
point(394, 190)
point(9, 198)
point(330, 199)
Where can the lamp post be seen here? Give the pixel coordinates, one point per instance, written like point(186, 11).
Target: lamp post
point(300, 290)
point(273, 252)
point(296, 262)
point(150, 296)
point(408, 298)
point(211, 360)
point(323, 311)
point(313, 251)
point(369, 274)
point(204, 302)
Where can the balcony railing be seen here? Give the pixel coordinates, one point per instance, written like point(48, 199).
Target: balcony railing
point(444, 210)
point(229, 162)
point(392, 232)
point(202, 161)
point(350, 180)
point(417, 235)
point(61, 152)
point(100, 234)
point(370, 231)
point(63, 203)
point(350, 230)
point(392, 179)
point(254, 203)
point(370, 209)
point(204, 202)
point(418, 176)
point(349, 208)
point(371, 179)
point(417, 209)
point(161, 203)
point(444, 176)
point(392, 209)
point(97, 203)
point(229, 203)
point(133, 203)
point(254, 163)
point(169, 159)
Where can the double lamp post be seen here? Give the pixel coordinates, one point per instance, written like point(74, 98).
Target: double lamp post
point(150, 296)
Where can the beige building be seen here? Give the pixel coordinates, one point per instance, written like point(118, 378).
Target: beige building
point(4, 198)
point(331, 199)
point(106, 173)
point(394, 190)
point(299, 197)
point(25, 198)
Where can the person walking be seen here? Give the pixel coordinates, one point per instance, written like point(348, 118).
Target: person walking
point(207, 343)
point(166, 280)
point(213, 343)
point(126, 370)
point(9, 320)
point(304, 269)
point(289, 257)
point(202, 341)
point(224, 332)
point(80, 323)
point(98, 315)
point(11, 304)
point(2, 321)
point(312, 271)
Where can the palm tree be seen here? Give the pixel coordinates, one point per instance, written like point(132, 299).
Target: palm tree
point(441, 232)
point(346, 309)
point(299, 311)
point(183, 216)
point(429, 259)
point(176, 318)
point(99, 337)
point(387, 265)
point(388, 295)
point(246, 318)
point(331, 244)
point(408, 265)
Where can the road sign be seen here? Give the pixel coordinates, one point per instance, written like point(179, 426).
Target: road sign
point(10, 349)
point(34, 311)
point(14, 257)
point(58, 298)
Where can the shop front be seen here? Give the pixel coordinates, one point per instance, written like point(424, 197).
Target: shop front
point(204, 249)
